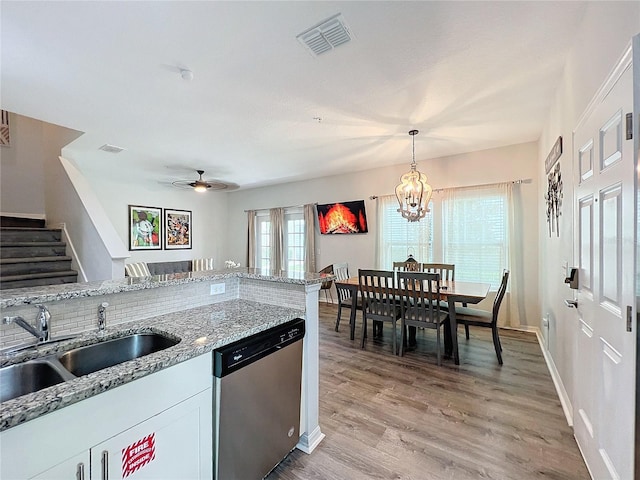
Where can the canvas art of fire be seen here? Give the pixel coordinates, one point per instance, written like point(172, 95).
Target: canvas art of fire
point(345, 217)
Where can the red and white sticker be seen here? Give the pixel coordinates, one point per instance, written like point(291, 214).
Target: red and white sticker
point(138, 454)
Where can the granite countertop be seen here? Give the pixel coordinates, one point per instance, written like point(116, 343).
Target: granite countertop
point(200, 331)
point(32, 295)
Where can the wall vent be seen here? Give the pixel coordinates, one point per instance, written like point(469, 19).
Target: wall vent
point(111, 148)
point(326, 36)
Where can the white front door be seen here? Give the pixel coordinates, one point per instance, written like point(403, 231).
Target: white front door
point(604, 396)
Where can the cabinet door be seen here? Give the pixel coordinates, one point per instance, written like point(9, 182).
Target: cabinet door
point(173, 444)
point(76, 467)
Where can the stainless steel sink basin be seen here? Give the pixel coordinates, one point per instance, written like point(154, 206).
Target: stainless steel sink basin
point(85, 360)
point(28, 377)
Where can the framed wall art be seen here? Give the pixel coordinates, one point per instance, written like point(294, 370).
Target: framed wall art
point(341, 218)
point(177, 227)
point(145, 228)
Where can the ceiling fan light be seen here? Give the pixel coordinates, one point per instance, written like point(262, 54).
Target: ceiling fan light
point(200, 188)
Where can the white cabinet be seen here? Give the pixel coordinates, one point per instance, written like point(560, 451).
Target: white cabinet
point(164, 419)
point(77, 465)
point(167, 446)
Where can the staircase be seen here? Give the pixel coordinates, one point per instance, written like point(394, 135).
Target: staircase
point(32, 255)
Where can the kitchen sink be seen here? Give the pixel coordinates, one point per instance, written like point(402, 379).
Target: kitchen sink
point(85, 360)
point(33, 375)
point(28, 377)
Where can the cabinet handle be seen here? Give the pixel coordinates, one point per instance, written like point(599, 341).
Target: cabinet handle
point(105, 464)
point(80, 471)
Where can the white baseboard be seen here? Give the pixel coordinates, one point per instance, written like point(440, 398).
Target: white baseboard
point(557, 381)
point(553, 371)
point(81, 273)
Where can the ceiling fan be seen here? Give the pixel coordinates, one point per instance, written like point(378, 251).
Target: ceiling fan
point(201, 185)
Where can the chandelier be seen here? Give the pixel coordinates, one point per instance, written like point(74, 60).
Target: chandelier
point(413, 191)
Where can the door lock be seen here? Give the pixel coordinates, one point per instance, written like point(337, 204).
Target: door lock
point(571, 303)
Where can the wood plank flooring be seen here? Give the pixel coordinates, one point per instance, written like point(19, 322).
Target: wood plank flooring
point(390, 417)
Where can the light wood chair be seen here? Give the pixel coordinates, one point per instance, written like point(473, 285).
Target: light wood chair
point(379, 302)
point(139, 269)
point(482, 318)
point(420, 305)
point(202, 264)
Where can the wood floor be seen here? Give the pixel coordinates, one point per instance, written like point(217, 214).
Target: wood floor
point(391, 417)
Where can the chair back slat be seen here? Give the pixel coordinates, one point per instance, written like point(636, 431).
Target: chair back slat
point(447, 271)
point(341, 271)
point(500, 294)
point(420, 296)
point(378, 292)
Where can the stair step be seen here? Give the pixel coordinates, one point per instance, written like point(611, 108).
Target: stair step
point(30, 249)
point(23, 266)
point(10, 221)
point(18, 234)
point(36, 280)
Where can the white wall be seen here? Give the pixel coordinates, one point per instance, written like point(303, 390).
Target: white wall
point(488, 166)
point(22, 165)
point(606, 30)
point(208, 216)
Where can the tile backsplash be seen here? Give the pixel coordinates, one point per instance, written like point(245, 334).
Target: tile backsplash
point(81, 314)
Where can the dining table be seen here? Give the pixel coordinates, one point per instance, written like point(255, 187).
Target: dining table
point(452, 292)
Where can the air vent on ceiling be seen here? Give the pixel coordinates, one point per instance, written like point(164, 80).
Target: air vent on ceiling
point(111, 148)
point(326, 36)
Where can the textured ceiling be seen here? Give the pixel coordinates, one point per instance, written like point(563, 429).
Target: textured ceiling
point(468, 75)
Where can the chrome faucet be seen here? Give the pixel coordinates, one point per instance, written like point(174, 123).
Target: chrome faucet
point(41, 330)
point(102, 316)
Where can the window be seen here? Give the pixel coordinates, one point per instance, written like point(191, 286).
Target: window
point(474, 233)
point(263, 243)
point(294, 236)
point(293, 241)
point(398, 238)
point(467, 227)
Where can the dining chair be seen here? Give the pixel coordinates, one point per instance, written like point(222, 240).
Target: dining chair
point(345, 297)
point(447, 273)
point(420, 305)
point(202, 264)
point(482, 318)
point(326, 285)
point(139, 269)
point(407, 267)
point(379, 302)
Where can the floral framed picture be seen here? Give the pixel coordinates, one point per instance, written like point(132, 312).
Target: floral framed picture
point(177, 227)
point(145, 228)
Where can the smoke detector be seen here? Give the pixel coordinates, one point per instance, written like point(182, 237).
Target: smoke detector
point(111, 148)
point(326, 36)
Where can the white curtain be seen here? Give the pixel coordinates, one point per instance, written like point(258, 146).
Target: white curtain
point(481, 235)
point(251, 239)
point(310, 238)
point(397, 238)
point(276, 216)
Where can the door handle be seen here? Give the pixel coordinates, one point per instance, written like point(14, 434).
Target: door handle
point(571, 303)
point(105, 465)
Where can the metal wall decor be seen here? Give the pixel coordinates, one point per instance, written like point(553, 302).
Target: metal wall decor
point(554, 200)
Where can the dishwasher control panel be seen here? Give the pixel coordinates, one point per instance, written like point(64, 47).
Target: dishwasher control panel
point(231, 357)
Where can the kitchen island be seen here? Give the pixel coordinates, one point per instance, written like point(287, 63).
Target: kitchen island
point(179, 306)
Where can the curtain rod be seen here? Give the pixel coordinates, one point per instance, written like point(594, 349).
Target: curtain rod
point(435, 190)
point(289, 206)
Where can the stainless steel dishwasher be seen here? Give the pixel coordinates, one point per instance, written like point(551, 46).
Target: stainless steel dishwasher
point(256, 402)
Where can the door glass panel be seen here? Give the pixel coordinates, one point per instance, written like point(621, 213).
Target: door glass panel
point(586, 243)
point(610, 245)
